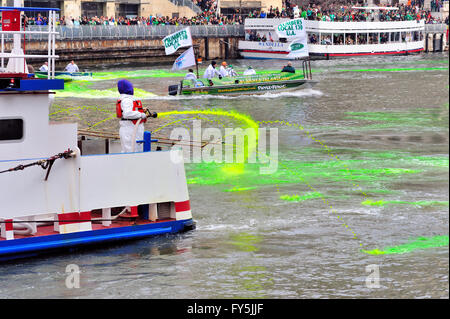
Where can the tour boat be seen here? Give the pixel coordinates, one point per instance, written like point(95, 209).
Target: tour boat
point(334, 39)
point(52, 197)
point(246, 84)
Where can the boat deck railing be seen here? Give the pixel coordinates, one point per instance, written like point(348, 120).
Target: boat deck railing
point(49, 32)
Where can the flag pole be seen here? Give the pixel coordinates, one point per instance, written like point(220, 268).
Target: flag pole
point(196, 61)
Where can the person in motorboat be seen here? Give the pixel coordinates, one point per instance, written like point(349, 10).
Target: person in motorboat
point(72, 67)
point(224, 69)
point(211, 71)
point(44, 67)
point(231, 71)
point(288, 68)
point(249, 71)
point(191, 76)
point(131, 113)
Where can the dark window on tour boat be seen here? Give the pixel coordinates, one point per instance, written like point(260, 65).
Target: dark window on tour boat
point(11, 129)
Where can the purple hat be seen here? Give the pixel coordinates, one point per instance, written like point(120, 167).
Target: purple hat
point(125, 87)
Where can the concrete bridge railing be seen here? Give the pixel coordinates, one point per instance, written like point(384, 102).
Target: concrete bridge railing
point(102, 32)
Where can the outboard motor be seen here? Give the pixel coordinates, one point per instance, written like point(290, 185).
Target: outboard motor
point(173, 89)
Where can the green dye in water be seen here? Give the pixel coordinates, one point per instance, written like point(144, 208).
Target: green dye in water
point(239, 189)
point(421, 203)
point(415, 244)
point(82, 90)
point(395, 69)
point(301, 198)
point(245, 241)
point(423, 118)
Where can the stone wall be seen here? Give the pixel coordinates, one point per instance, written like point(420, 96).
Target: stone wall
point(88, 53)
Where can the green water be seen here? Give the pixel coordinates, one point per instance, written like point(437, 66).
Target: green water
point(361, 179)
point(412, 245)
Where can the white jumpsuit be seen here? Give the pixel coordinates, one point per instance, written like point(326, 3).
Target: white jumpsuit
point(72, 68)
point(210, 72)
point(223, 71)
point(127, 128)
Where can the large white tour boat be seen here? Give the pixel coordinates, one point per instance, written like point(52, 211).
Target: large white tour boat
point(334, 39)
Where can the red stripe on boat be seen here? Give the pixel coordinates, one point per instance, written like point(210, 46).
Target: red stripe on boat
point(68, 218)
point(182, 206)
point(85, 216)
point(8, 224)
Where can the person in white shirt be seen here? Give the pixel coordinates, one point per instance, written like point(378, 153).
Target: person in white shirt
point(231, 71)
point(250, 71)
point(211, 71)
point(72, 67)
point(224, 69)
point(191, 76)
point(44, 67)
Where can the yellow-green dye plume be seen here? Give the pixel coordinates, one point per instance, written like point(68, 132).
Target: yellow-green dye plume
point(249, 148)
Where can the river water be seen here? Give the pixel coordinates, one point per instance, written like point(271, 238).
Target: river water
point(361, 187)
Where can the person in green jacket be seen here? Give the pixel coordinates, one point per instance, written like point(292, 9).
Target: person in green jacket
point(288, 68)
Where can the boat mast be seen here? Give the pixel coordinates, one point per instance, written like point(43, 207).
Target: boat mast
point(17, 65)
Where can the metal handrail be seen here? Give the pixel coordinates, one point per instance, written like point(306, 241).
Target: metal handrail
point(90, 32)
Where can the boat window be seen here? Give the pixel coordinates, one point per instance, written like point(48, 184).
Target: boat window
point(408, 36)
point(362, 38)
point(373, 38)
point(11, 129)
point(350, 38)
point(338, 39)
point(313, 37)
point(403, 36)
point(384, 37)
point(325, 38)
point(395, 36)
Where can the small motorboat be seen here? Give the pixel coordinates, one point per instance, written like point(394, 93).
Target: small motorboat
point(246, 84)
point(66, 76)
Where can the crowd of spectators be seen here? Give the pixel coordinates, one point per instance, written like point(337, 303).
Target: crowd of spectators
point(327, 11)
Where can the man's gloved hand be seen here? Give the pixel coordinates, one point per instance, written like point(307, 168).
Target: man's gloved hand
point(143, 116)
